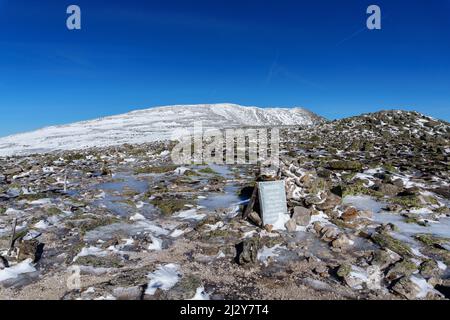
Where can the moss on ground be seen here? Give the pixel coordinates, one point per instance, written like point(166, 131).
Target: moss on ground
point(207, 170)
point(170, 206)
point(155, 170)
point(386, 241)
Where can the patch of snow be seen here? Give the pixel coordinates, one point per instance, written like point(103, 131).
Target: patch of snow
point(423, 286)
point(190, 215)
point(42, 225)
point(42, 201)
point(154, 124)
point(364, 203)
point(200, 294)
point(156, 244)
point(13, 272)
point(137, 217)
point(164, 278)
point(176, 233)
point(91, 251)
point(265, 253)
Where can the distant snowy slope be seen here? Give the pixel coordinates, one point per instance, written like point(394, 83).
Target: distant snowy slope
point(150, 125)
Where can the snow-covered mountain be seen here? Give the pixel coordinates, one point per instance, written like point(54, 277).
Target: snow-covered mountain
point(150, 125)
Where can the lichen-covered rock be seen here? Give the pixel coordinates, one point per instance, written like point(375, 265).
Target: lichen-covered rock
point(429, 269)
point(401, 269)
point(386, 241)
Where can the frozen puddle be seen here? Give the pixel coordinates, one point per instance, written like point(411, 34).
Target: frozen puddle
point(364, 203)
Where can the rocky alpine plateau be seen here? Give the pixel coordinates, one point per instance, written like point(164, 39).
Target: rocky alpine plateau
point(97, 210)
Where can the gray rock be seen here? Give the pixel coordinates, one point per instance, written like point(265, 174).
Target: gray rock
point(131, 293)
point(13, 171)
point(247, 251)
point(389, 189)
point(406, 288)
point(291, 225)
point(3, 263)
point(401, 269)
point(185, 289)
point(331, 201)
point(29, 249)
point(301, 216)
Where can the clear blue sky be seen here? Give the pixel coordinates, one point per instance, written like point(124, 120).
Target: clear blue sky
point(137, 54)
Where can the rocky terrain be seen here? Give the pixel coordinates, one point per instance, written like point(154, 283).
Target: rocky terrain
point(369, 218)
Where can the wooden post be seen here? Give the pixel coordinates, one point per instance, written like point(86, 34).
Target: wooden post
point(13, 235)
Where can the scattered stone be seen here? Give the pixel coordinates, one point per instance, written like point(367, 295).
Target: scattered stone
point(29, 249)
point(291, 225)
point(429, 269)
point(247, 251)
point(401, 269)
point(341, 242)
point(301, 216)
point(255, 218)
point(130, 293)
point(350, 214)
point(3, 263)
point(385, 258)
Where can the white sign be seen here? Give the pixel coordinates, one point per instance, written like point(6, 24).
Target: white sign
point(272, 201)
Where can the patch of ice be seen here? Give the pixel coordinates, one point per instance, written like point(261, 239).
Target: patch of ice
point(248, 234)
point(42, 201)
point(190, 215)
point(265, 253)
point(91, 251)
point(216, 226)
point(280, 223)
point(13, 272)
point(421, 211)
point(200, 294)
point(371, 277)
point(366, 177)
point(423, 286)
point(156, 244)
point(164, 278)
point(181, 170)
point(176, 233)
point(137, 217)
point(441, 265)
point(42, 225)
point(321, 217)
point(157, 230)
point(364, 203)
point(14, 212)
